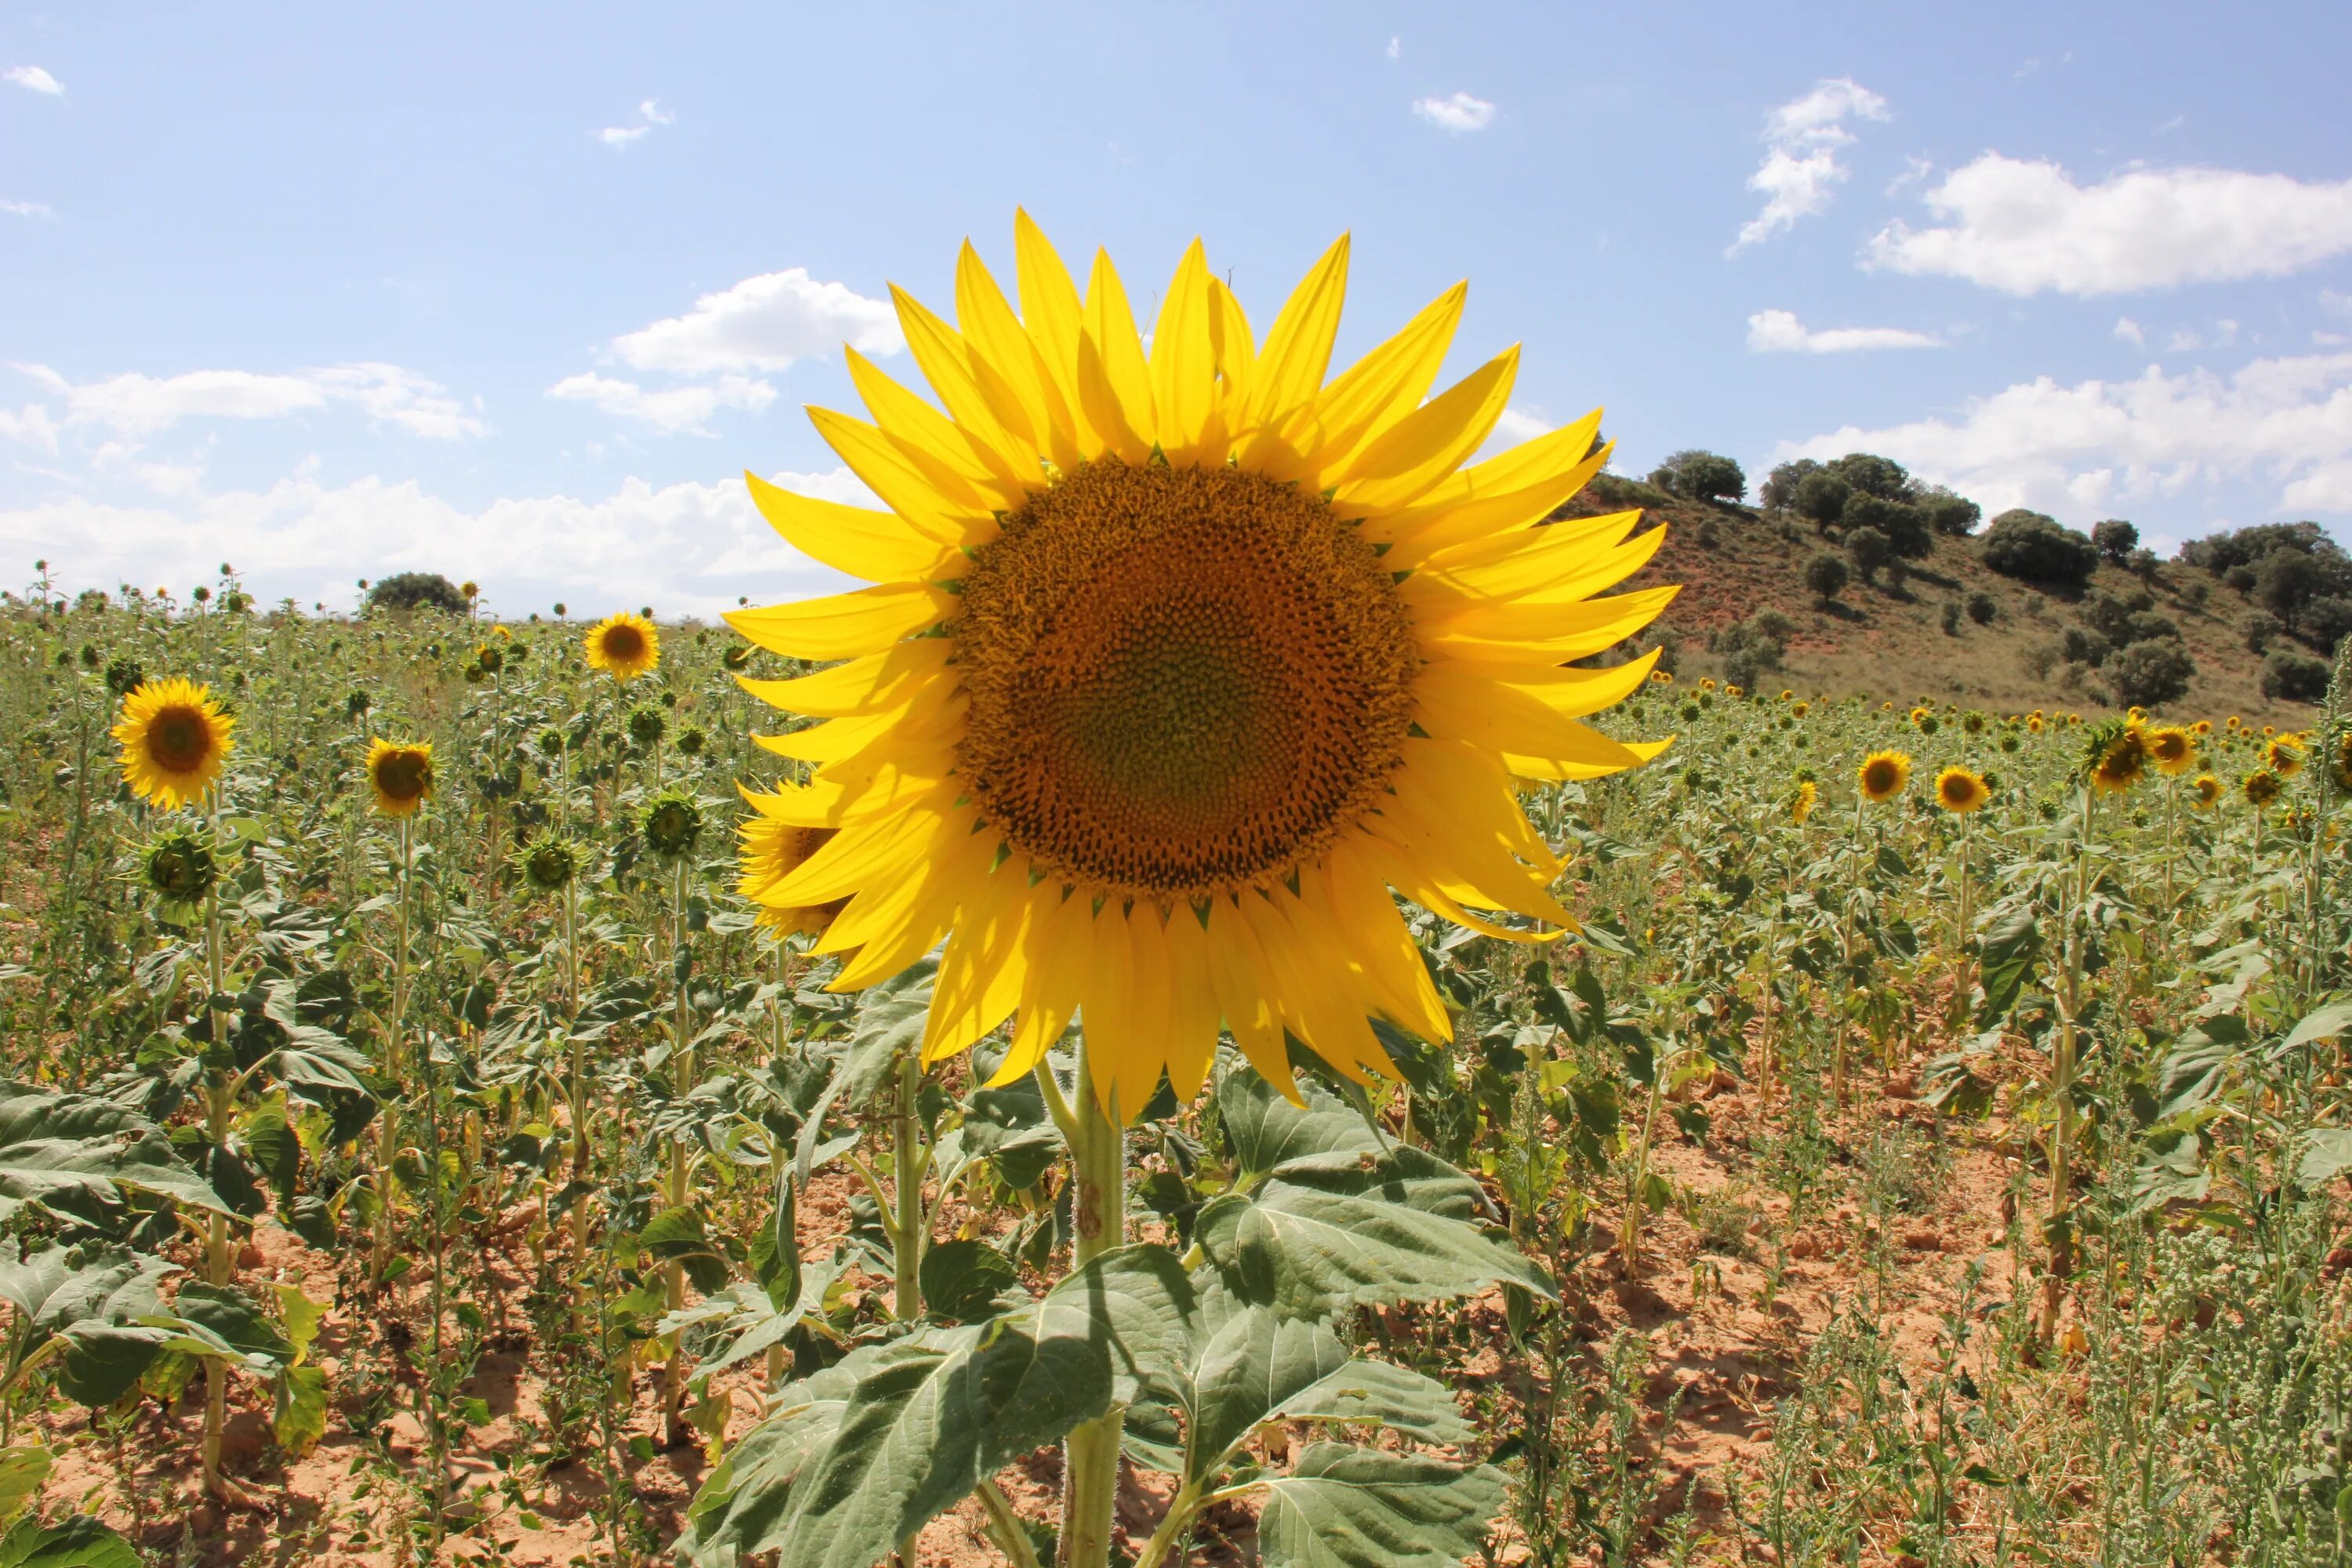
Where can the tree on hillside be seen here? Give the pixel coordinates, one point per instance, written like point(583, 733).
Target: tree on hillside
point(1953, 516)
point(1876, 476)
point(2294, 677)
point(2115, 539)
point(2033, 547)
point(2152, 673)
point(1779, 490)
point(1982, 607)
point(416, 590)
point(1700, 476)
point(1870, 549)
point(1826, 576)
point(2286, 581)
point(1820, 498)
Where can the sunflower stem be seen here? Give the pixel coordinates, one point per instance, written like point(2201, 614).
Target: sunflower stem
point(1090, 1454)
point(673, 1381)
point(218, 1264)
point(908, 1234)
point(387, 1132)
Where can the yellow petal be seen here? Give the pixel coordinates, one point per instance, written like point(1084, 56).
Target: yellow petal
point(938, 349)
point(1288, 376)
point(1423, 529)
point(1107, 1007)
point(1388, 383)
point(1001, 347)
point(1051, 311)
point(1411, 455)
point(1377, 938)
point(863, 852)
point(844, 626)
point(824, 803)
point(1062, 943)
point(1453, 701)
point(1114, 381)
point(983, 970)
point(1184, 360)
point(1244, 985)
point(1571, 693)
point(1527, 577)
point(1404, 871)
point(1193, 1009)
point(878, 680)
point(1548, 633)
point(966, 471)
point(888, 471)
point(1528, 463)
point(879, 546)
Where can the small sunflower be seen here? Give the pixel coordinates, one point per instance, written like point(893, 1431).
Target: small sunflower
point(647, 724)
point(2207, 792)
point(1707, 683)
point(2202, 727)
point(491, 657)
point(1918, 713)
point(1786, 694)
point(2172, 750)
point(174, 739)
point(2033, 723)
point(2341, 764)
point(623, 646)
point(2115, 756)
point(1961, 792)
point(2136, 714)
point(400, 774)
point(181, 869)
point(2283, 757)
point(771, 849)
point(2261, 787)
point(671, 823)
point(1883, 775)
point(1800, 708)
point(549, 862)
point(1802, 806)
point(1972, 723)
point(1662, 677)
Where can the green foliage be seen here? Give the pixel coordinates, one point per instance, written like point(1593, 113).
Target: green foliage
point(1826, 575)
point(408, 591)
point(1701, 477)
point(2032, 546)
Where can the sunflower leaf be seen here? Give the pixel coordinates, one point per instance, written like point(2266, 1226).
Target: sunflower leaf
point(1344, 1507)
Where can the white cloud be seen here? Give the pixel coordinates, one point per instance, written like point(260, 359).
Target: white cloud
point(1780, 331)
point(2335, 304)
point(1458, 113)
point(650, 116)
point(764, 323)
point(2129, 331)
point(2072, 450)
point(1515, 425)
point(686, 548)
point(35, 426)
point(136, 404)
point(2022, 226)
point(27, 209)
point(1803, 139)
point(1395, 45)
point(34, 77)
point(676, 411)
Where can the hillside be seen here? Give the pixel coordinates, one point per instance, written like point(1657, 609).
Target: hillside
point(1890, 643)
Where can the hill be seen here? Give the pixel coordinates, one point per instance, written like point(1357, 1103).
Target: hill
point(1888, 640)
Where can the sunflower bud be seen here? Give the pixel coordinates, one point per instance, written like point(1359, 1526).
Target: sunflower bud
point(737, 659)
point(691, 742)
point(180, 867)
point(549, 863)
point(356, 705)
point(646, 726)
point(671, 824)
point(490, 658)
point(124, 676)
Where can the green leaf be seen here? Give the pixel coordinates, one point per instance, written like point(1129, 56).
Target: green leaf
point(81, 1542)
point(2326, 1024)
point(2327, 1156)
point(23, 1468)
point(302, 1317)
point(961, 1279)
point(929, 1415)
point(1343, 1507)
point(68, 1152)
point(1258, 1366)
point(745, 1506)
point(2006, 957)
point(2197, 1066)
point(890, 1021)
point(299, 1417)
point(1332, 1232)
point(1265, 1129)
point(230, 1324)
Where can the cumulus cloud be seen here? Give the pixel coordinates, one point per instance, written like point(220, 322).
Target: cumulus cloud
point(650, 116)
point(764, 323)
point(1458, 113)
point(2129, 330)
point(674, 411)
point(1515, 425)
point(27, 209)
point(687, 548)
point(1803, 139)
point(34, 78)
point(1780, 331)
point(2022, 226)
point(135, 404)
point(2074, 450)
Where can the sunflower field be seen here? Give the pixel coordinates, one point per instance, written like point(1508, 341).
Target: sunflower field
point(1219, 1012)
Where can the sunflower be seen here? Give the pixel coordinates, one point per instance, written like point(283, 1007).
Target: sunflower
point(2341, 764)
point(1662, 676)
point(2202, 727)
point(2115, 756)
point(2283, 757)
point(174, 739)
point(2172, 750)
point(1958, 789)
point(2208, 791)
point(1178, 663)
point(1800, 708)
point(1883, 775)
point(2033, 723)
point(2261, 787)
point(549, 861)
point(1802, 806)
point(623, 646)
point(399, 775)
point(771, 850)
point(1786, 694)
point(1917, 714)
point(1707, 683)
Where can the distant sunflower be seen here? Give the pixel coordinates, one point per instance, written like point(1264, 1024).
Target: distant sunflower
point(769, 851)
point(2283, 757)
point(2115, 756)
point(1800, 708)
point(1801, 807)
point(1883, 775)
point(623, 646)
point(399, 775)
point(1786, 694)
point(2202, 727)
point(1179, 662)
point(1662, 677)
point(2341, 763)
point(1959, 791)
point(2033, 723)
point(174, 739)
point(2208, 791)
point(2172, 750)
point(2261, 787)
point(1918, 713)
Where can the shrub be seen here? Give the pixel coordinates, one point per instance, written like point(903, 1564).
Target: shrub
point(2260, 631)
point(1874, 476)
point(1701, 476)
point(1709, 535)
point(1826, 576)
point(1751, 648)
point(2078, 646)
point(1779, 490)
point(2142, 564)
point(2033, 547)
point(416, 590)
point(1982, 607)
point(2286, 581)
point(2294, 677)
point(1775, 624)
point(2111, 617)
point(1953, 516)
point(2327, 620)
point(2196, 594)
point(2114, 538)
point(1821, 497)
point(1869, 549)
point(2039, 659)
point(2151, 673)
point(1951, 618)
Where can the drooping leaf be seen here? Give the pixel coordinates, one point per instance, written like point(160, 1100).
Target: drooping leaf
point(70, 1152)
point(81, 1542)
point(2326, 1024)
point(1258, 1366)
point(23, 1468)
point(1334, 1231)
point(1344, 1507)
point(2327, 1156)
point(961, 1279)
point(1265, 1129)
point(2011, 943)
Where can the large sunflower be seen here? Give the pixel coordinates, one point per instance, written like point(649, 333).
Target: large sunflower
point(174, 739)
point(399, 775)
point(1882, 775)
point(2172, 748)
point(1959, 791)
point(1180, 662)
point(769, 851)
point(623, 645)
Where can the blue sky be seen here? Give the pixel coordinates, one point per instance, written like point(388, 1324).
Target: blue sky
point(515, 292)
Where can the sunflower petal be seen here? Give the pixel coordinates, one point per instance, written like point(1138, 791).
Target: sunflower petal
point(882, 680)
point(879, 546)
point(1051, 310)
point(1184, 360)
point(1388, 383)
point(1408, 458)
point(844, 626)
point(1114, 380)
